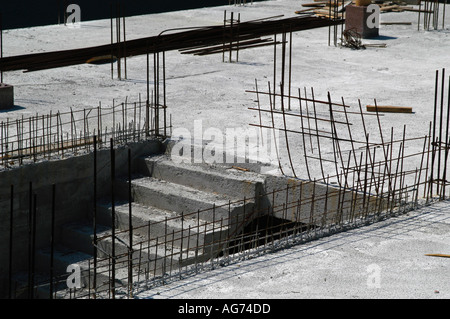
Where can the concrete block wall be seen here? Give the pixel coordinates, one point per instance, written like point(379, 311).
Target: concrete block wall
point(73, 177)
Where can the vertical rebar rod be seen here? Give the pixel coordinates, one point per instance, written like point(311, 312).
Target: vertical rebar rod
point(303, 135)
point(443, 13)
point(420, 169)
point(444, 177)
point(181, 243)
point(309, 123)
point(274, 69)
point(65, 11)
point(130, 227)
point(259, 112)
point(94, 218)
point(317, 134)
point(156, 257)
point(124, 44)
point(1, 44)
point(329, 27)
point(231, 37)
point(112, 41)
point(402, 179)
point(155, 89)
point(433, 143)
point(393, 202)
point(334, 138)
point(165, 248)
point(11, 227)
point(418, 19)
point(223, 36)
point(426, 191)
point(113, 221)
point(147, 103)
point(52, 240)
point(286, 134)
point(118, 37)
point(440, 130)
point(283, 67)
point(350, 134)
point(30, 221)
point(164, 93)
point(238, 34)
point(33, 248)
point(274, 136)
point(290, 68)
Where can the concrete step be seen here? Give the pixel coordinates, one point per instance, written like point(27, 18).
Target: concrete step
point(41, 286)
point(79, 235)
point(151, 222)
point(149, 191)
point(219, 179)
point(157, 254)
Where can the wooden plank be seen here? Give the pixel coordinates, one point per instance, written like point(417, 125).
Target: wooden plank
point(438, 255)
point(314, 4)
point(305, 10)
point(387, 8)
point(326, 13)
point(388, 108)
point(392, 23)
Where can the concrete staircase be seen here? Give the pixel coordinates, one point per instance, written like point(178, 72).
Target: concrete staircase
point(174, 223)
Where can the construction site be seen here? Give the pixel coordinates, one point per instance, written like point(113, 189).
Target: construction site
point(204, 153)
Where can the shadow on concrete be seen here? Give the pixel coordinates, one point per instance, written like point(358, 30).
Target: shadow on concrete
point(383, 37)
point(12, 109)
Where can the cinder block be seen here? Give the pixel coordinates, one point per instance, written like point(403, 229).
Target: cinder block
point(356, 18)
point(6, 96)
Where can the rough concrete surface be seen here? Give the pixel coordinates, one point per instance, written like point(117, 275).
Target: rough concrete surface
point(383, 260)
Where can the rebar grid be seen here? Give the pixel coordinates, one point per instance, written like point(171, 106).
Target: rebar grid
point(430, 14)
point(56, 135)
point(176, 254)
point(347, 153)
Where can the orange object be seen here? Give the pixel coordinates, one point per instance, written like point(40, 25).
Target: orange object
point(391, 109)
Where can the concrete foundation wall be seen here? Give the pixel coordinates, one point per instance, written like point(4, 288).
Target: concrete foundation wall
point(74, 180)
